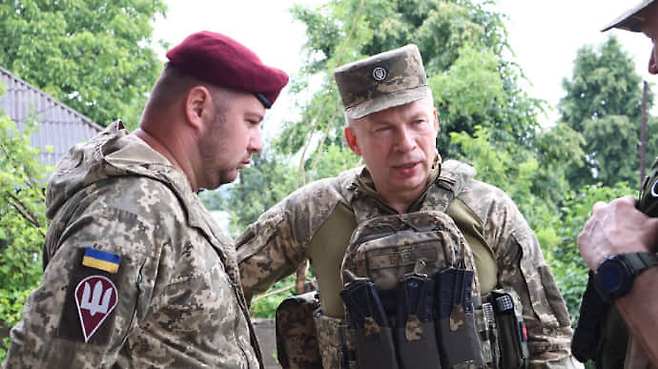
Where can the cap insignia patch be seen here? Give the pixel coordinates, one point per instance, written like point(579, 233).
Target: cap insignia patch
point(379, 73)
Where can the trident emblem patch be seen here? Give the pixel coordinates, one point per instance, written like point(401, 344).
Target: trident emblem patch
point(95, 296)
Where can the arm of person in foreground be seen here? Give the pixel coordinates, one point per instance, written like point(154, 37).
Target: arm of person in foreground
point(640, 311)
point(618, 228)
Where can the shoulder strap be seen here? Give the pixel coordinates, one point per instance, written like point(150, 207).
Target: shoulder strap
point(454, 178)
point(326, 252)
point(471, 226)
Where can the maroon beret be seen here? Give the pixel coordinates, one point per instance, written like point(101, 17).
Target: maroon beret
point(220, 60)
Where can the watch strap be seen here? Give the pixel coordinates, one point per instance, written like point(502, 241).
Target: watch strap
point(639, 261)
point(632, 264)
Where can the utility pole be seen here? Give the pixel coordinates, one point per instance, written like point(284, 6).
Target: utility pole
point(643, 130)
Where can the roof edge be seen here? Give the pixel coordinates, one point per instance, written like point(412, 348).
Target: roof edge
point(83, 117)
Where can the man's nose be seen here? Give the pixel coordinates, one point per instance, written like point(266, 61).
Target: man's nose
point(255, 142)
point(405, 140)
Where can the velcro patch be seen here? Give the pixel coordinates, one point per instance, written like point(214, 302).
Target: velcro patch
point(101, 260)
point(95, 296)
point(91, 301)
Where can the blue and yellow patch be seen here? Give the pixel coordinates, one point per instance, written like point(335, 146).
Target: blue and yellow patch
point(101, 260)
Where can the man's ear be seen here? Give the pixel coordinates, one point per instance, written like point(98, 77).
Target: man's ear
point(437, 121)
point(352, 142)
point(198, 104)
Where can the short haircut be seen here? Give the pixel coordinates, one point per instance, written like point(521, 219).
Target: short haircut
point(174, 84)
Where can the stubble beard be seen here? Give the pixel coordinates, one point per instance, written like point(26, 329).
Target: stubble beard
point(209, 145)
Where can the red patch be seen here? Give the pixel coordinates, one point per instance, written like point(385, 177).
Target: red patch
point(96, 297)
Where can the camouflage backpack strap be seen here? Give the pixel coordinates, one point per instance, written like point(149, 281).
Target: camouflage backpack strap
point(444, 196)
point(326, 252)
point(447, 185)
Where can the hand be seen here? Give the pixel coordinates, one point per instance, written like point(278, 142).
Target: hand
point(616, 228)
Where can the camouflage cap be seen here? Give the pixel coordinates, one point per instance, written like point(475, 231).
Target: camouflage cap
point(631, 20)
point(382, 81)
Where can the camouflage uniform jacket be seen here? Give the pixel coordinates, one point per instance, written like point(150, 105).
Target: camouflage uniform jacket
point(177, 293)
point(272, 247)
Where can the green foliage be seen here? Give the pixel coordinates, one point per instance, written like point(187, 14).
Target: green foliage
point(264, 306)
point(470, 83)
point(602, 102)
point(559, 150)
point(513, 170)
point(604, 82)
point(612, 143)
point(91, 55)
point(22, 220)
point(270, 180)
point(562, 253)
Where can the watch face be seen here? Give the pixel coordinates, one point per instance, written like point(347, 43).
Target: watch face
point(611, 276)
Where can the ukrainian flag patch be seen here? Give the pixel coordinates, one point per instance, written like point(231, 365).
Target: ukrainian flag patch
point(102, 260)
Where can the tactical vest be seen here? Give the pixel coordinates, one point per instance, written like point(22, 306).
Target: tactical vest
point(328, 246)
point(336, 341)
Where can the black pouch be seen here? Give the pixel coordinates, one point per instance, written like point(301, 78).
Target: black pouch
point(415, 333)
point(365, 314)
point(593, 312)
point(512, 332)
point(456, 331)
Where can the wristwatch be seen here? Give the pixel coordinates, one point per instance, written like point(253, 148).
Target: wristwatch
point(614, 277)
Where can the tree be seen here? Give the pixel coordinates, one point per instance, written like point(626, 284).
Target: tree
point(559, 150)
point(603, 83)
point(91, 55)
point(22, 220)
point(602, 102)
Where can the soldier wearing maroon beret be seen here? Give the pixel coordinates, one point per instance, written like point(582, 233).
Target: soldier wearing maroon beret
point(137, 273)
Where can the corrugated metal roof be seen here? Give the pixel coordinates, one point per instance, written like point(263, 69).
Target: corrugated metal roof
point(59, 126)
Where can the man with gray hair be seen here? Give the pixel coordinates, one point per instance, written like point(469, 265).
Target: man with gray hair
point(478, 245)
